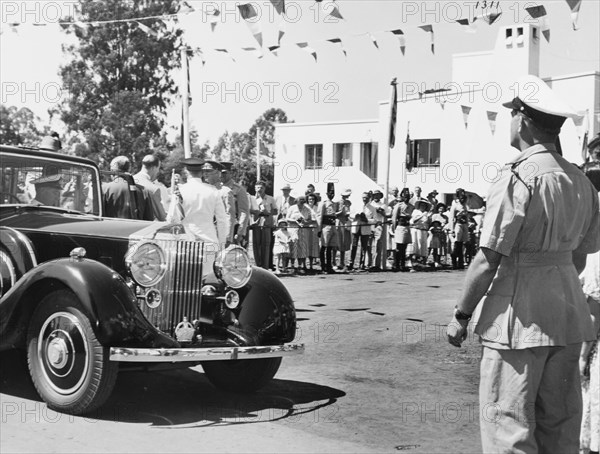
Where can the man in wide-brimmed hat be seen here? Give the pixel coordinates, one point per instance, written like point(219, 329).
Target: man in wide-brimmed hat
point(523, 289)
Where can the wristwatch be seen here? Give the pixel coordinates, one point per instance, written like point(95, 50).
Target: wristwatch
point(460, 315)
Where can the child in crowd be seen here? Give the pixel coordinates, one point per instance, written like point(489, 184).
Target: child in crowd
point(434, 242)
point(461, 236)
point(281, 247)
point(471, 244)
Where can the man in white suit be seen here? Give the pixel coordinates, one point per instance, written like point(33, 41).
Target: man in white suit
point(204, 211)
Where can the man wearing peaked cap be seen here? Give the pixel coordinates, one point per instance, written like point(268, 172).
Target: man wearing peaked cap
point(204, 211)
point(523, 290)
point(211, 174)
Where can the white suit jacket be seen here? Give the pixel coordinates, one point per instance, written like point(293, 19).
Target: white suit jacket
point(203, 205)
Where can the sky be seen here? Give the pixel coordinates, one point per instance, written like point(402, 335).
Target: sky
point(229, 95)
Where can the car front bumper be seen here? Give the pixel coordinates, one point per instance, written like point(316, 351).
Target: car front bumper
point(173, 355)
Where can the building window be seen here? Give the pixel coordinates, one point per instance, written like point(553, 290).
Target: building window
point(426, 152)
point(342, 154)
point(368, 159)
point(313, 156)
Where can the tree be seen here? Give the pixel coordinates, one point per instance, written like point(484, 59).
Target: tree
point(18, 126)
point(174, 154)
point(119, 79)
point(242, 148)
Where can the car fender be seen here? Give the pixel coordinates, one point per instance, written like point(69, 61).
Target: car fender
point(107, 301)
point(17, 256)
point(267, 307)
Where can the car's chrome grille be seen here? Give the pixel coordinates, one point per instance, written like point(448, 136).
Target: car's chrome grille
point(180, 288)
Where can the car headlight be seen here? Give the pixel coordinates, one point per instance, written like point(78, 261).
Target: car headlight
point(146, 263)
point(233, 266)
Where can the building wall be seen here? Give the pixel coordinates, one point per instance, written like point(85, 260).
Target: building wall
point(471, 154)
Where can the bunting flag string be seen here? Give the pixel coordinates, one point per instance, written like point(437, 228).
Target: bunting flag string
point(466, 110)
point(248, 12)
point(339, 41)
point(308, 49)
point(539, 12)
point(429, 29)
point(575, 5)
point(225, 51)
point(401, 38)
point(492, 120)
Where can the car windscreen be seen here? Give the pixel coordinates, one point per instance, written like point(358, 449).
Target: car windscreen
point(32, 180)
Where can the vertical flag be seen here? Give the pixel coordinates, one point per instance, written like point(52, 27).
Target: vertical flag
point(429, 29)
point(575, 5)
point(539, 12)
point(400, 34)
point(492, 120)
point(393, 113)
point(248, 12)
point(466, 110)
point(409, 151)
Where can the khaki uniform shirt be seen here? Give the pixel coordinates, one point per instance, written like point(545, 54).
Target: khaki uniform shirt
point(538, 213)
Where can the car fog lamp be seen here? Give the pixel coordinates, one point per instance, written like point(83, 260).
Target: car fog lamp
point(146, 263)
point(232, 299)
point(233, 266)
point(153, 298)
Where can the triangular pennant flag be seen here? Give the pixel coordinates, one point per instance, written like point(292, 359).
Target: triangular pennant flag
point(491, 18)
point(201, 55)
point(279, 6)
point(214, 19)
point(492, 120)
point(185, 8)
point(335, 12)
point(466, 110)
point(82, 25)
point(258, 51)
point(274, 49)
point(338, 41)
point(14, 26)
point(248, 12)
point(282, 27)
point(225, 51)
point(575, 5)
point(429, 28)
point(147, 30)
point(469, 27)
point(374, 40)
point(539, 12)
point(308, 49)
point(400, 34)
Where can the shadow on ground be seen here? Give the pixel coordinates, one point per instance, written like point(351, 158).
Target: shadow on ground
point(184, 398)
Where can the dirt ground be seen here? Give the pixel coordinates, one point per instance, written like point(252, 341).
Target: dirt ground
point(377, 376)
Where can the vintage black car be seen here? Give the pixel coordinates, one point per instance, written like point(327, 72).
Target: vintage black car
point(84, 295)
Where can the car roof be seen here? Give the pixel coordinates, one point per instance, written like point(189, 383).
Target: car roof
point(36, 152)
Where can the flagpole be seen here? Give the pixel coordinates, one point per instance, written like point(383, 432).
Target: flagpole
point(257, 155)
point(393, 101)
point(185, 103)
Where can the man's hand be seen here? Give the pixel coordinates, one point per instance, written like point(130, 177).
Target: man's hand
point(457, 331)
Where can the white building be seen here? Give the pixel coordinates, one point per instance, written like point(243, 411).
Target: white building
point(459, 132)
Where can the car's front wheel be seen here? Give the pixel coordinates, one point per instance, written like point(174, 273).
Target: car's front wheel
point(243, 376)
point(69, 367)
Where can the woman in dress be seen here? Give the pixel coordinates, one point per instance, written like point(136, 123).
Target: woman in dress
point(301, 218)
point(313, 235)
